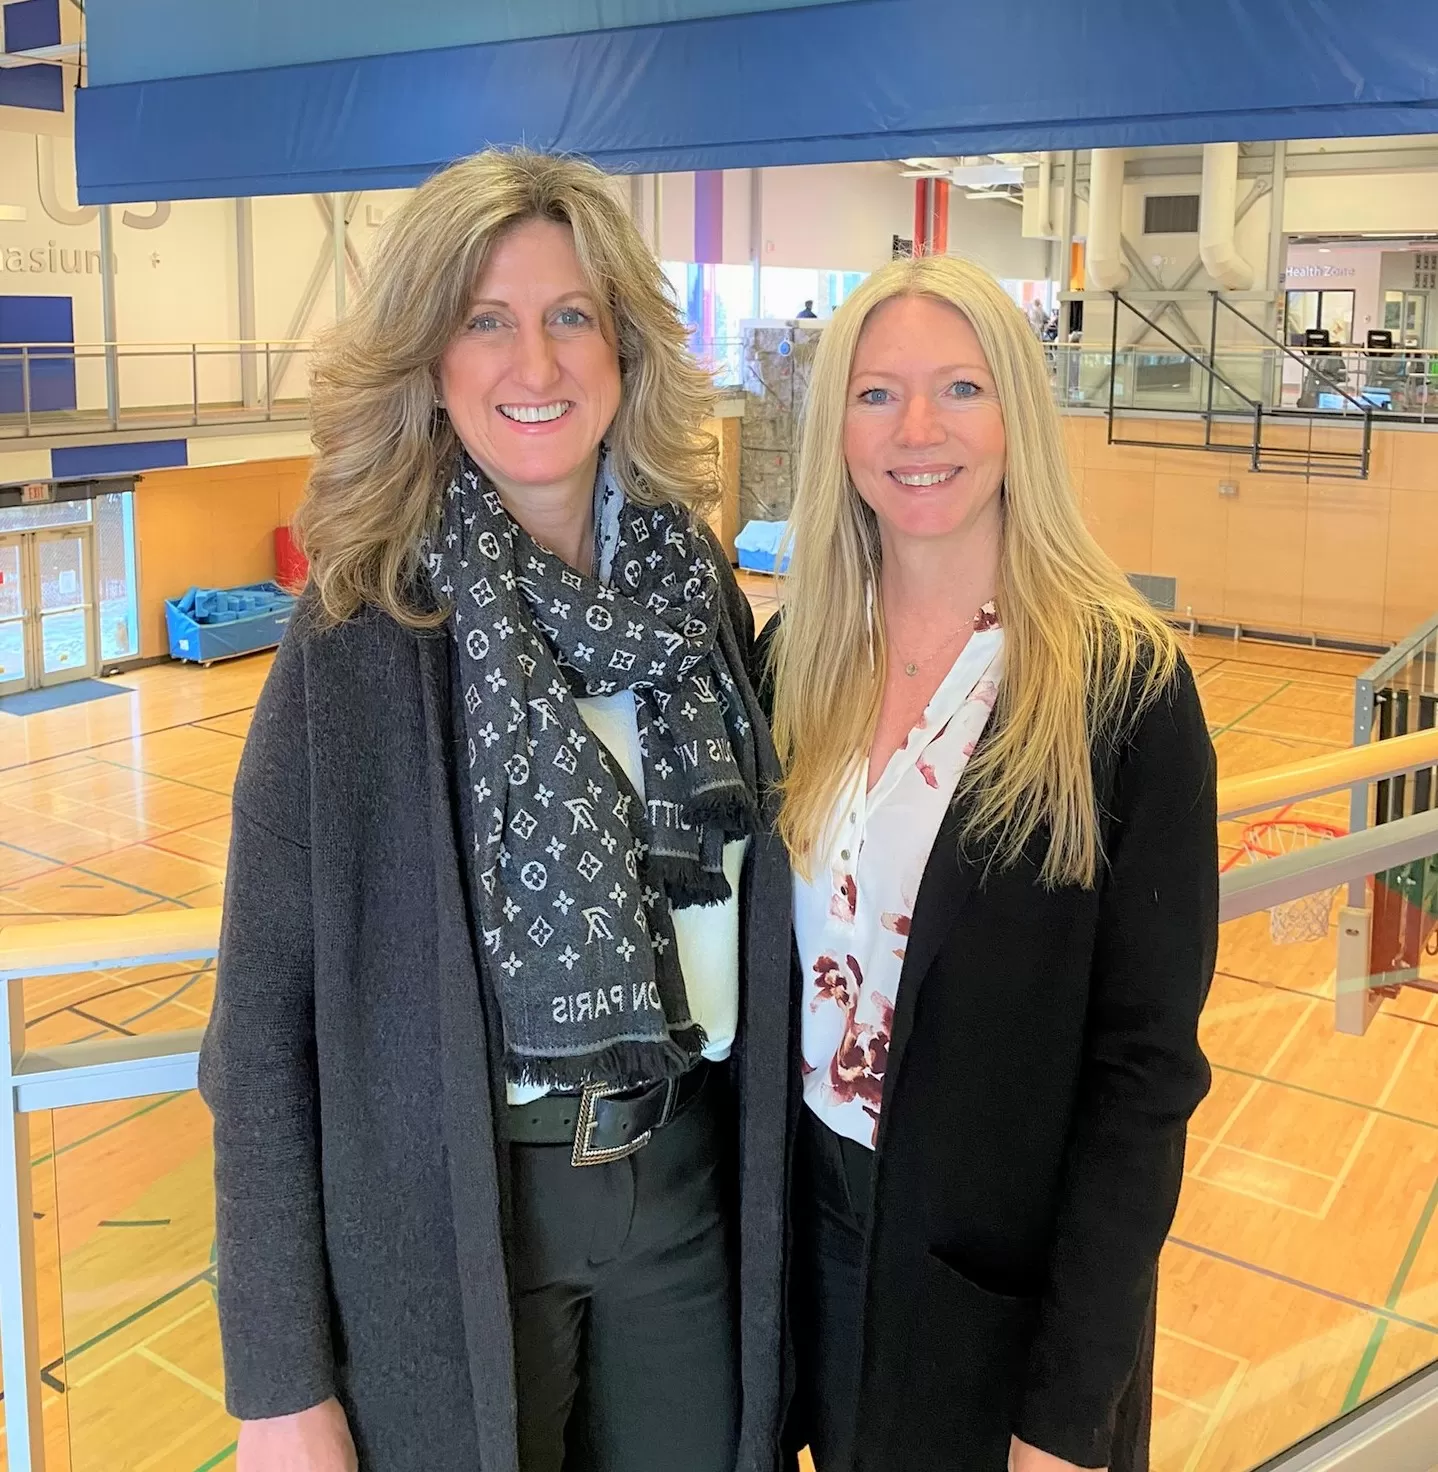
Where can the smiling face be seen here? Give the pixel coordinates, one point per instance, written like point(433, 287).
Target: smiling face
point(923, 431)
point(531, 382)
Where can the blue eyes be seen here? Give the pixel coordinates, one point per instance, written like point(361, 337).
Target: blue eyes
point(566, 318)
point(961, 388)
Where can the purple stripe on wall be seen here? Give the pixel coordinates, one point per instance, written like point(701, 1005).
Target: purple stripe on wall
point(709, 217)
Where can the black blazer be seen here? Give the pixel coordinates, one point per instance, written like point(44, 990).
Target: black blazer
point(1043, 1067)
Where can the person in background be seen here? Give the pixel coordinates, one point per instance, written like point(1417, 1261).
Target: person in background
point(999, 800)
point(1038, 317)
point(807, 312)
point(505, 940)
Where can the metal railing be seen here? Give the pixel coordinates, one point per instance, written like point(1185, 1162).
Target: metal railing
point(49, 389)
point(1166, 378)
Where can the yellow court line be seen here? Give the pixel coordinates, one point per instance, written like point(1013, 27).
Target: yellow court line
point(1252, 1089)
point(1216, 1417)
point(1178, 1400)
point(201, 1012)
point(1252, 1195)
point(143, 1344)
point(1307, 1170)
point(1353, 1154)
point(193, 1381)
point(1193, 1343)
point(1403, 1058)
point(163, 1454)
point(1371, 1120)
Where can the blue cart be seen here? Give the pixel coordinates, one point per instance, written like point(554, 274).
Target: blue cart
point(758, 547)
point(219, 623)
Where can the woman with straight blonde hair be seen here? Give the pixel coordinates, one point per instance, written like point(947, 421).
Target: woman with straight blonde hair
point(999, 803)
point(505, 940)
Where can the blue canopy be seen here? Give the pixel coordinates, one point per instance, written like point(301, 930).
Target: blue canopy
point(781, 84)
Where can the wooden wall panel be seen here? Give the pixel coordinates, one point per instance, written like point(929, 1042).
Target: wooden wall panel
point(208, 526)
point(1267, 531)
point(1415, 462)
point(1411, 593)
point(1118, 505)
point(1190, 539)
point(1345, 563)
point(1324, 555)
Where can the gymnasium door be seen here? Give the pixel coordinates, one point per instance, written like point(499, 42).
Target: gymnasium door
point(47, 607)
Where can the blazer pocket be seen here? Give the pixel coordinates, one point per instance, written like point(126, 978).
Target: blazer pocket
point(973, 1352)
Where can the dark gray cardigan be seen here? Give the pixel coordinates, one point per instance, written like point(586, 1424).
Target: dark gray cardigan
point(360, 1199)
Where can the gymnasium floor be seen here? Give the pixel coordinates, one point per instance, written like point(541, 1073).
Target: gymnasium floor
point(1302, 1273)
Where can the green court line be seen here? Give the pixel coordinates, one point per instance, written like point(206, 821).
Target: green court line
point(1375, 1339)
point(218, 1457)
point(104, 1130)
point(139, 1313)
point(1244, 715)
point(105, 761)
point(1264, 1078)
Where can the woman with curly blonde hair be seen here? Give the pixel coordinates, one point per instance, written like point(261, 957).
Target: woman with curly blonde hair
point(505, 945)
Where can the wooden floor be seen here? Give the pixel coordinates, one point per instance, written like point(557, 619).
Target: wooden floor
point(1302, 1274)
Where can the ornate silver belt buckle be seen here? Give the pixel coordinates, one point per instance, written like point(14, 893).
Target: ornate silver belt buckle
point(584, 1127)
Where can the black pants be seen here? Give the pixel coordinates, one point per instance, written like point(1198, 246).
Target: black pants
point(625, 1304)
point(833, 1183)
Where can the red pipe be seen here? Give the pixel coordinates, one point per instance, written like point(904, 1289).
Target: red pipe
point(921, 217)
point(939, 228)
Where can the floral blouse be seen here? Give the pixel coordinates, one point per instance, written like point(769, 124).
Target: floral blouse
point(851, 921)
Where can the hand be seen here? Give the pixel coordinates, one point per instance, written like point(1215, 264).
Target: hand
point(316, 1440)
point(1026, 1458)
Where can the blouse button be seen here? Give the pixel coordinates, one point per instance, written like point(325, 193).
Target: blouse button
point(844, 853)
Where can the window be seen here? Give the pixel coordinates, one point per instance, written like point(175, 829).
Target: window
point(116, 586)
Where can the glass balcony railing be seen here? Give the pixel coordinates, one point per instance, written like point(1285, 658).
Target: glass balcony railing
point(47, 389)
point(50, 389)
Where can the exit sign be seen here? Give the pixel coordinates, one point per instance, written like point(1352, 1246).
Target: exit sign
point(36, 493)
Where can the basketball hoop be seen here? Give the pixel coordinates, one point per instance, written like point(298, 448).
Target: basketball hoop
point(1307, 917)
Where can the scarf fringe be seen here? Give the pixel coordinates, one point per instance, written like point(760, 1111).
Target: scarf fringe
point(627, 1065)
point(687, 884)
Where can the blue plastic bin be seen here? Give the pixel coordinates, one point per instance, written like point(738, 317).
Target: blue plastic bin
point(219, 623)
point(758, 546)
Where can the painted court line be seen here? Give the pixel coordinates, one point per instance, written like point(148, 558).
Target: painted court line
point(1384, 1315)
point(193, 1381)
point(1375, 1340)
point(105, 1129)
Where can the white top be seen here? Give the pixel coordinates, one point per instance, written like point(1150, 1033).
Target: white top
point(706, 936)
point(851, 921)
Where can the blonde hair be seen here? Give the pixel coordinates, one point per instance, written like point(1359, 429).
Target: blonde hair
point(381, 449)
point(1083, 651)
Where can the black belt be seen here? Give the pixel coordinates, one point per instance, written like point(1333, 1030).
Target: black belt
point(604, 1123)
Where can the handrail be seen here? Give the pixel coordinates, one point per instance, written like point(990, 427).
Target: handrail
point(162, 342)
point(59, 947)
point(1275, 786)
